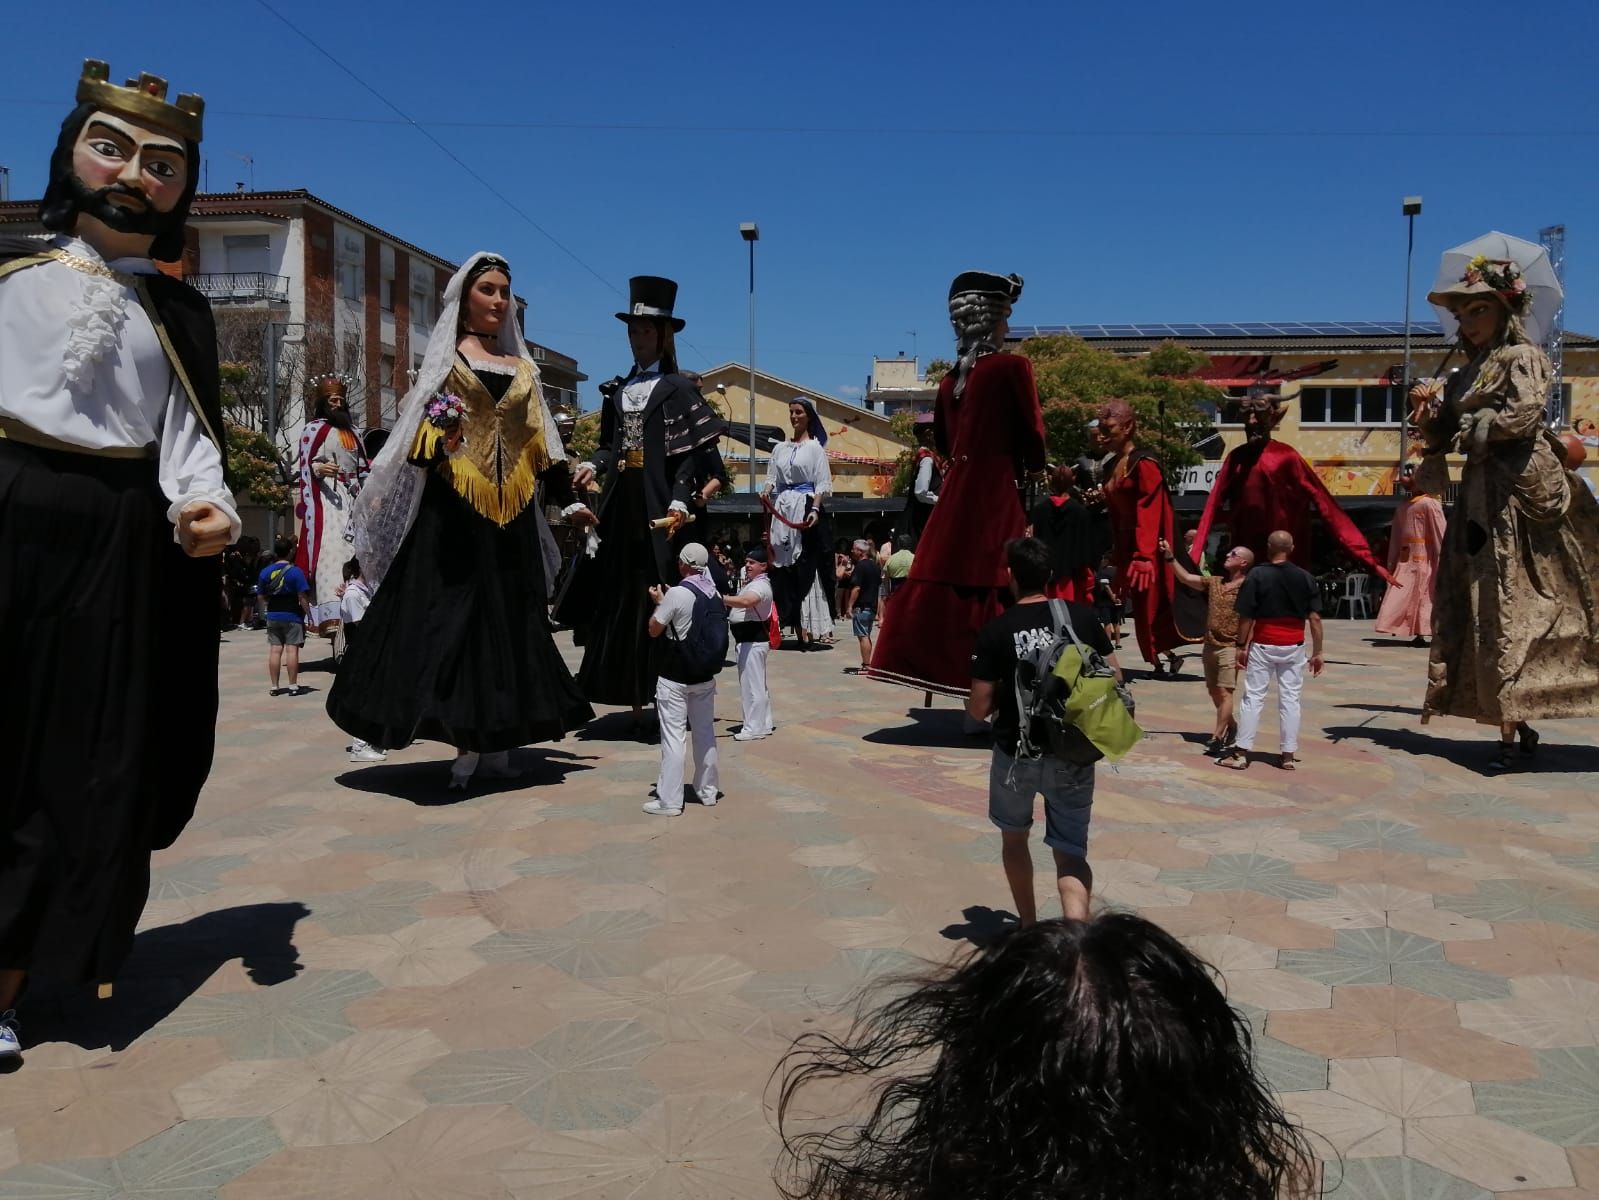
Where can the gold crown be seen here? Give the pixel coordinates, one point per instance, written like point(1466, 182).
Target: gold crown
point(144, 99)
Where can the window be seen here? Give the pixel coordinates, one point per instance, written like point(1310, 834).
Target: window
point(1372, 404)
point(421, 307)
point(386, 370)
point(349, 281)
point(386, 294)
point(247, 253)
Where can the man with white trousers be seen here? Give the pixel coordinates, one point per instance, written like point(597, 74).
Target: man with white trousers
point(683, 701)
point(1275, 605)
point(751, 621)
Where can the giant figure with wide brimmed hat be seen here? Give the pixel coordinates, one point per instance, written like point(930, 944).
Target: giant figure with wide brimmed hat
point(657, 460)
point(988, 423)
point(1516, 615)
point(113, 510)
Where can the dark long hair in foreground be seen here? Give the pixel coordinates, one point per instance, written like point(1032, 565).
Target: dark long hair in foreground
point(1089, 1060)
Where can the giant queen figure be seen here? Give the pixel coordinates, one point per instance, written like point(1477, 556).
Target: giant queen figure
point(113, 511)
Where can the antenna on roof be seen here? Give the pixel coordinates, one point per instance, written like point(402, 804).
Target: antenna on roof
point(249, 161)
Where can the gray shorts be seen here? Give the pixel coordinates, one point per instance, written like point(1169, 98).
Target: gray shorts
point(285, 633)
point(1068, 792)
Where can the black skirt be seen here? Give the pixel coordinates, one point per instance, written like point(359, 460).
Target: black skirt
point(455, 646)
point(108, 711)
point(791, 584)
point(618, 653)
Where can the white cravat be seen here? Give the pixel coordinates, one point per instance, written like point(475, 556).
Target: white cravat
point(640, 385)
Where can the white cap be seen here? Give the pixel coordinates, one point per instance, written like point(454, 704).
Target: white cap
point(694, 555)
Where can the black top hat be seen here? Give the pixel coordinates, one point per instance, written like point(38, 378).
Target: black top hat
point(651, 296)
point(988, 284)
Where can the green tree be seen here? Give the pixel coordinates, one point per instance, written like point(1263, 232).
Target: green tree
point(903, 426)
point(937, 368)
point(254, 466)
point(1074, 379)
point(585, 439)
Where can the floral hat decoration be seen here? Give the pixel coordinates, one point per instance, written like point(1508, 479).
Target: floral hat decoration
point(1489, 276)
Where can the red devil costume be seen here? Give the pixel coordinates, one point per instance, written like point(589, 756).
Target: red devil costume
point(1265, 485)
point(988, 423)
point(1140, 515)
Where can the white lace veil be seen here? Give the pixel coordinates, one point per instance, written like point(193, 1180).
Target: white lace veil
point(387, 505)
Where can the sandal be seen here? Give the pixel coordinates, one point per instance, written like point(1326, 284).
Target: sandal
point(1288, 763)
point(1237, 760)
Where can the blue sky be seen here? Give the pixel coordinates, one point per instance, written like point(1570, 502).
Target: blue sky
point(1150, 162)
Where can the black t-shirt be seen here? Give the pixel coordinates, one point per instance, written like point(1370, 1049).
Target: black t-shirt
point(1014, 633)
point(867, 576)
point(1280, 590)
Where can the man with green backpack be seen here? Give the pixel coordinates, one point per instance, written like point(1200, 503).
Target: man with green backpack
point(1046, 672)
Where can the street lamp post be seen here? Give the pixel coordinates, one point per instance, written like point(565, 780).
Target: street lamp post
point(1412, 206)
point(751, 233)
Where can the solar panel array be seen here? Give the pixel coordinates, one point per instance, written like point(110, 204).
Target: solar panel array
point(1226, 329)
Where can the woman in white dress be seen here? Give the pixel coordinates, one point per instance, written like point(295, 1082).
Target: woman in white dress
point(798, 486)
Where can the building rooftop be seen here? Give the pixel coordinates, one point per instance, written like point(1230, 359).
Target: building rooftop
point(1281, 336)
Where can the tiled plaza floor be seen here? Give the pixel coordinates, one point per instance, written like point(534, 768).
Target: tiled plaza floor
point(351, 984)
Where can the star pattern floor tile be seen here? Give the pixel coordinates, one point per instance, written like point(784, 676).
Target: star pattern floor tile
point(350, 984)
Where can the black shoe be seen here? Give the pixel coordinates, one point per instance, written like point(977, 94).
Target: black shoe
point(1505, 759)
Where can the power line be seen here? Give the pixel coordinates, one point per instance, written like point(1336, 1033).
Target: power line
point(862, 130)
point(406, 119)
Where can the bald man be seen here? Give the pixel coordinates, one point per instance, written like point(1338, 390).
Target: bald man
point(1220, 653)
point(1275, 605)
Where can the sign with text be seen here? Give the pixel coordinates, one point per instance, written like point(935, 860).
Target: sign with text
point(1198, 479)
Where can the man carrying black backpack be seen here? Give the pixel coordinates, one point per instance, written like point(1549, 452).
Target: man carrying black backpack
point(1014, 781)
point(690, 624)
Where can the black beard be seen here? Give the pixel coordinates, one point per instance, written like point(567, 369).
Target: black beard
point(340, 418)
point(97, 204)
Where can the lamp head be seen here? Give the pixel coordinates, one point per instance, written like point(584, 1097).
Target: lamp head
point(749, 231)
point(1412, 205)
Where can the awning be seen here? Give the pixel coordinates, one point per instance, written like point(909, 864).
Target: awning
point(1254, 370)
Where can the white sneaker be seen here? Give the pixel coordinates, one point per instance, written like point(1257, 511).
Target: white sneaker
point(369, 754)
point(10, 1044)
point(707, 801)
point(656, 809)
point(744, 735)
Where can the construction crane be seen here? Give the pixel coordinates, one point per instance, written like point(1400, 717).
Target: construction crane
point(1553, 239)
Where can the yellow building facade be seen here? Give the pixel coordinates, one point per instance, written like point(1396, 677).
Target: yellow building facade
point(1343, 414)
point(861, 446)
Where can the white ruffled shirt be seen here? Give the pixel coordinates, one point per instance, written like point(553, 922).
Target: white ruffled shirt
point(81, 362)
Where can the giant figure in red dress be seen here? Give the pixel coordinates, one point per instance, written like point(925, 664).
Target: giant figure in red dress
point(988, 424)
point(1140, 515)
point(1265, 485)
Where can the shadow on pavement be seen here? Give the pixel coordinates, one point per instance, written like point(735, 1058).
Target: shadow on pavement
point(425, 784)
point(984, 926)
point(1474, 752)
point(1410, 709)
point(932, 728)
point(620, 727)
point(166, 967)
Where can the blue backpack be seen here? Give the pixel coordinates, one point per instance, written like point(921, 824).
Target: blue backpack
point(702, 654)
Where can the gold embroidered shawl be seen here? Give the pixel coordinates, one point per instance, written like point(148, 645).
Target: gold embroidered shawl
point(504, 445)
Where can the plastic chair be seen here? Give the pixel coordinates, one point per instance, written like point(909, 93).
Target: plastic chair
point(1356, 594)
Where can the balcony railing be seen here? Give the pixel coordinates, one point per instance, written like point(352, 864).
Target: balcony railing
point(241, 287)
